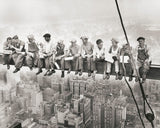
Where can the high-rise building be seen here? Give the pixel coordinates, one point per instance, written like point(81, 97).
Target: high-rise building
point(120, 111)
point(108, 113)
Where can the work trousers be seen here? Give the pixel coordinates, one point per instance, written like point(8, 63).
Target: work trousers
point(90, 63)
point(70, 63)
point(95, 63)
point(18, 59)
point(49, 62)
point(109, 64)
point(144, 65)
point(6, 58)
point(31, 61)
point(130, 69)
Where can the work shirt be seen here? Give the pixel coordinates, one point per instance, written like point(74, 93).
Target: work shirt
point(31, 47)
point(49, 47)
point(60, 49)
point(125, 50)
point(6, 48)
point(18, 44)
point(74, 49)
point(87, 49)
point(142, 53)
point(6, 45)
point(99, 52)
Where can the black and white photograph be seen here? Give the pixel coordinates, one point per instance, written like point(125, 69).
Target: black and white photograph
point(79, 63)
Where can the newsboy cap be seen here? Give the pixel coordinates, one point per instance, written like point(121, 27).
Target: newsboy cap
point(15, 37)
point(140, 38)
point(47, 35)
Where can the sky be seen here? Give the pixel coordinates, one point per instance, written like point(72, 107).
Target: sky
point(15, 12)
point(68, 18)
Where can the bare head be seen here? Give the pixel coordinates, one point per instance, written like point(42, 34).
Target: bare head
point(99, 43)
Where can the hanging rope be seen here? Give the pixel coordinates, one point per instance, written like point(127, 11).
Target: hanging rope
point(132, 92)
point(149, 116)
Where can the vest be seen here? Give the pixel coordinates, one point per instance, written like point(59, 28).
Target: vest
point(32, 47)
point(60, 50)
point(143, 54)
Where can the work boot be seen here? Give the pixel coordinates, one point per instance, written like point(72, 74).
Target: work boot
point(39, 71)
point(94, 74)
point(31, 68)
point(62, 75)
point(120, 76)
point(69, 70)
point(104, 76)
point(76, 72)
point(16, 70)
point(116, 76)
point(46, 73)
point(107, 75)
point(143, 78)
point(51, 72)
point(130, 78)
point(8, 66)
point(80, 73)
point(89, 73)
point(136, 78)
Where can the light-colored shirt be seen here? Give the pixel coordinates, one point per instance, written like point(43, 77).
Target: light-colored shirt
point(87, 49)
point(49, 47)
point(99, 52)
point(27, 46)
point(74, 49)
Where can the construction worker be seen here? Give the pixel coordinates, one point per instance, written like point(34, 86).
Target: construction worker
point(72, 57)
point(143, 58)
point(98, 54)
point(49, 52)
point(60, 54)
point(86, 54)
point(7, 52)
point(40, 58)
point(31, 49)
point(125, 51)
point(18, 53)
point(112, 56)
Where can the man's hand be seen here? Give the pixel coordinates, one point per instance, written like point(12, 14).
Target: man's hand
point(115, 58)
point(30, 54)
point(102, 57)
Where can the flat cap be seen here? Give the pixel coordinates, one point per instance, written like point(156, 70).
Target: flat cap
point(47, 35)
point(15, 37)
point(99, 41)
point(115, 40)
point(140, 38)
point(30, 36)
